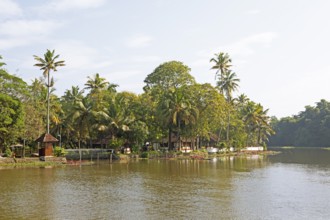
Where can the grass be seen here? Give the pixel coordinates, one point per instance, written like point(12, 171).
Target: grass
point(28, 162)
point(31, 164)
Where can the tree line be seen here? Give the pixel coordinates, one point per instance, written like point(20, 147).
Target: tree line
point(172, 105)
point(309, 128)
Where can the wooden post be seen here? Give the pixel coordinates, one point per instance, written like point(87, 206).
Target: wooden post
point(80, 156)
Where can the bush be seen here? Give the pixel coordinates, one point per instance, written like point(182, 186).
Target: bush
point(116, 143)
point(60, 152)
point(8, 152)
point(145, 155)
point(154, 154)
point(135, 149)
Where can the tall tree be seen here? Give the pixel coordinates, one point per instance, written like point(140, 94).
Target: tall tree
point(177, 109)
point(83, 117)
point(173, 74)
point(97, 85)
point(227, 84)
point(117, 117)
point(257, 124)
point(211, 106)
point(163, 82)
point(222, 63)
point(47, 63)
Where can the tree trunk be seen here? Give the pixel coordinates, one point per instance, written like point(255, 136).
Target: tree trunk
point(259, 135)
point(169, 138)
point(48, 101)
point(179, 136)
point(228, 128)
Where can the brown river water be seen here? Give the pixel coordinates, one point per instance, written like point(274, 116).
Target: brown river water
point(294, 184)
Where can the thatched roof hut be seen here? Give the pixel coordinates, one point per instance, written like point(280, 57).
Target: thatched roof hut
point(47, 141)
point(47, 138)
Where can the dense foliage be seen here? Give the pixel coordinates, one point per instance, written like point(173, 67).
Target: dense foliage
point(310, 128)
point(173, 107)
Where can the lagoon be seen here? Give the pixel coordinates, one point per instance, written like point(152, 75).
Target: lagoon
point(294, 184)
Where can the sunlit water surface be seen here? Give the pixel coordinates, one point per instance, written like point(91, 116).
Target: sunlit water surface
point(292, 185)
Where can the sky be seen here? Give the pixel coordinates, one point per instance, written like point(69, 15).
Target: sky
point(279, 49)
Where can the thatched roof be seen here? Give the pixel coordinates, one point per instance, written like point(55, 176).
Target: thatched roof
point(174, 138)
point(47, 138)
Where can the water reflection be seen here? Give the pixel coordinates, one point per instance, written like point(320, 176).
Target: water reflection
point(254, 187)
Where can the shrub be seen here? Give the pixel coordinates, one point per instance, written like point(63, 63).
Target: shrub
point(145, 155)
point(8, 152)
point(135, 149)
point(60, 152)
point(116, 143)
point(154, 154)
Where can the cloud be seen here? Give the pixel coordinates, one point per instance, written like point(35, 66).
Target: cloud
point(240, 49)
point(67, 5)
point(146, 59)
point(123, 75)
point(15, 33)
point(80, 57)
point(9, 43)
point(23, 28)
point(248, 45)
point(9, 8)
point(253, 12)
point(243, 47)
point(138, 41)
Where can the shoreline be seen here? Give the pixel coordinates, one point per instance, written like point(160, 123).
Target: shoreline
point(10, 162)
point(30, 162)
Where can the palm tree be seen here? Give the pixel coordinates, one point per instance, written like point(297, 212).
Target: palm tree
point(116, 118)
point(83, 117)
point(2, 63)
point(74, 95)
point(222, 63)
point(257, 121)
point(48, 63)
point(241, 100)
point(176, 110)
point(112, 88)
point(227, 84)
point(96, 83)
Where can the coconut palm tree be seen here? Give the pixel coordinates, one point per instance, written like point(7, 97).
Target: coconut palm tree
point(2, 63)
point(74, 95)
point(176, 109)
point(96, 83)
point(222, 63)
point(257, 122)
point(83, 117)
point(227, 84)
point(47, 63)
point(116, 118)
point(241, 100)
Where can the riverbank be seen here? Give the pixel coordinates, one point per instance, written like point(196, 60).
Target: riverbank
point(61, 161)
point(194, 155)
point(32, 162)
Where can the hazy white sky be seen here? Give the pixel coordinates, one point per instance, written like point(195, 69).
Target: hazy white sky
point(280, 49)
